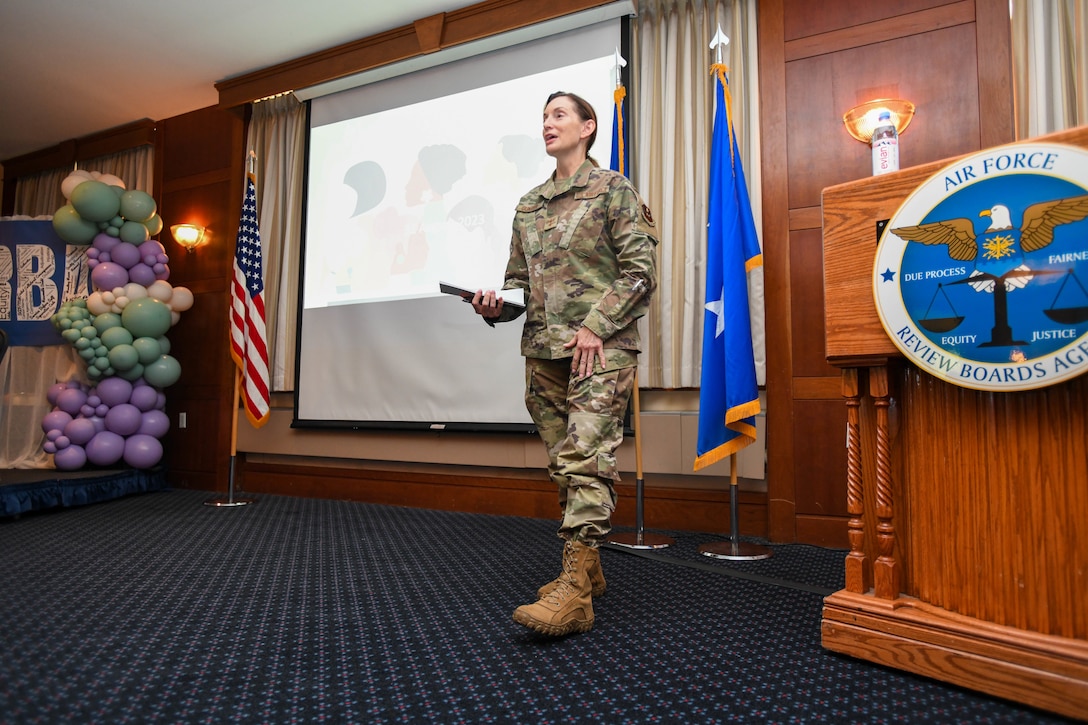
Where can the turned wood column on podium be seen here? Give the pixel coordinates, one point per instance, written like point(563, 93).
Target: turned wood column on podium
point(968, 509)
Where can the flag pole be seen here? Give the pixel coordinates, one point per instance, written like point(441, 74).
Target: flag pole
point(734, 549)
point(639, 539)
point(230, 501)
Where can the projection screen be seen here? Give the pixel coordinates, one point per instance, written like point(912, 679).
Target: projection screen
point(413, 180)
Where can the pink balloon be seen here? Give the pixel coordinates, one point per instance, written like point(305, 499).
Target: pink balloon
point(154, 423)
point(109, 275)
point(142, 451)
point(105, 449)
point(70, 458)
point(123, 419)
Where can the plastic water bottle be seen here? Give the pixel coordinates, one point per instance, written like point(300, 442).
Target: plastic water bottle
point(885, 145)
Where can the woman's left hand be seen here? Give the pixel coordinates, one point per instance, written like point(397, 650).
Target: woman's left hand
point(587, 349)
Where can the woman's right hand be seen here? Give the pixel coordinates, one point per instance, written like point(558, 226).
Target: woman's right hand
point(487, 304)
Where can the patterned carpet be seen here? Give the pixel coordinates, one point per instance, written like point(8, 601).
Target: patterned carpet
point(156, 608)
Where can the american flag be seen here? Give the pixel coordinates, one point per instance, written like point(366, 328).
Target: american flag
point(248, 346)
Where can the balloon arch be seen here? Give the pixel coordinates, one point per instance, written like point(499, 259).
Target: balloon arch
point(117, 413)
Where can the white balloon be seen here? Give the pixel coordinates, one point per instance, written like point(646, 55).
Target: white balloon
point(109, 297)
point(111, 180)
point(161, 290)
point(135, 291)
point(174, 317)
point(182, 299)
point(73, 180)
point(96, 305)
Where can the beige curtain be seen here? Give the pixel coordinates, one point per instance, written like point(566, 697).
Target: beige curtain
point(1050, 65)
point(277, 134)
point(674, 115)
point(27, 372)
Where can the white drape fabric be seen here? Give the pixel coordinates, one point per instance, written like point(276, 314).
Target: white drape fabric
point(277, 134)
point(1050, 65)
point(27, 372)
point(674, 96)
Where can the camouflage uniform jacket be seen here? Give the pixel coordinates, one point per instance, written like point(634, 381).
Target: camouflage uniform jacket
point(584, 251)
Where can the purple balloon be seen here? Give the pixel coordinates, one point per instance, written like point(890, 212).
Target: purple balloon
point(107, 275)
point(125, 255)
point(164, 273)
point(62, 442)
point(106, 448)
point(86, 410)
point(144, 397)
point(70, 458)
point(154, 423)
point(54, 390)
point(99, 423)
point(80, 430)
point(49, 447)
point(104, 242)
point(55, 420)
point(55, 434)
point(141, 274)
point(142, 451)
point(101, 409)
point(71, 400)
point(114, 391)
point(123, 419)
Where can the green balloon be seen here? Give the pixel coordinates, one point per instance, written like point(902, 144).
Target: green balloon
point(148, 349)
point(137, 206)
point(115, 336)
point(134, 233)
point(71, 335)
point(146, 317)
point(154, 224)
point(105, 321)
point(73, 228)
point(101, 363)
point(95, 201)
point(87, 353)
point(162, 373)
point(133, 373)
point(123, 357)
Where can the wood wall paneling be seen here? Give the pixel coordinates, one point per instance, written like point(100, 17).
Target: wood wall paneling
point(804, 18)
point(781, 513)
point(202, 172)
point(807, 302)
point(822, 88)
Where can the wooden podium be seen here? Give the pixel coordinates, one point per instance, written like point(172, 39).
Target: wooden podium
point(968, 510)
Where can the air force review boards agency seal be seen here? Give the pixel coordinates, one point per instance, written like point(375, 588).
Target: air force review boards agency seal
point(980, 277)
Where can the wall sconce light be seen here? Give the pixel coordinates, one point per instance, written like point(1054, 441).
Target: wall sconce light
point(861, 120)
point(188, 235)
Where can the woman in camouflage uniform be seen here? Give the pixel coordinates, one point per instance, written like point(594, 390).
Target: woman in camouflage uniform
point(584, 251)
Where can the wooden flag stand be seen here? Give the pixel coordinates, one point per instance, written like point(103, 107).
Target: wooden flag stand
point(734, 549)
point(639, 539)
point(230, 501)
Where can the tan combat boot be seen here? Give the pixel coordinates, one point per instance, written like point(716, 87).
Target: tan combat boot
point(596, 577)
point(568, 607)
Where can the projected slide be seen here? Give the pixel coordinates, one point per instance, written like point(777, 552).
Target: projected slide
point(413, 181)
point(426, 192)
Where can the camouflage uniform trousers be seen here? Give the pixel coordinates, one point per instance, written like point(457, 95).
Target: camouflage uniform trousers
point(581, 424)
